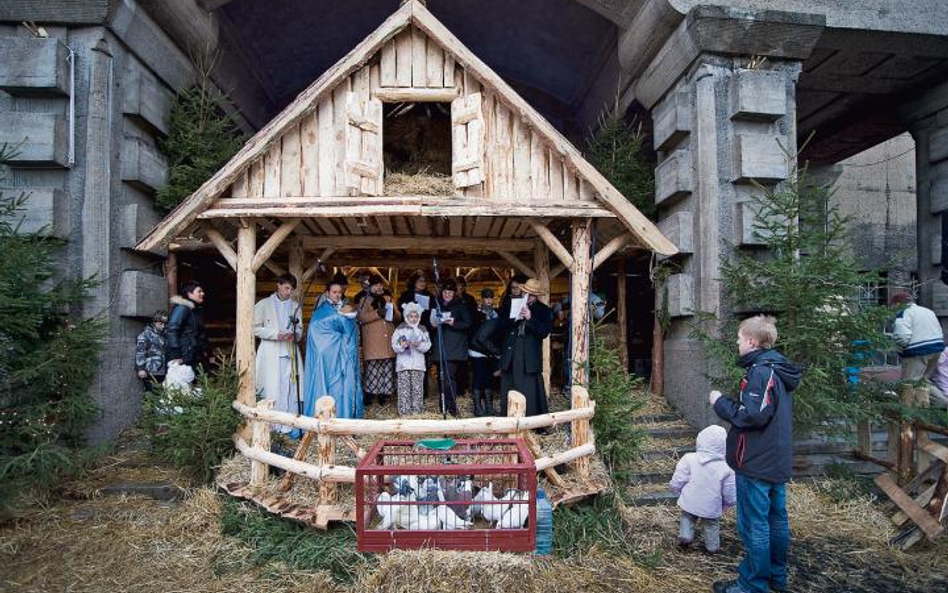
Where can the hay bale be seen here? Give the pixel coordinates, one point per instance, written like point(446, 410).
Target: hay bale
point(437, 571)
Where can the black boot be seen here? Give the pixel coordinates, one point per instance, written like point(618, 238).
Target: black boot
point(488, 407)
point(478, 409)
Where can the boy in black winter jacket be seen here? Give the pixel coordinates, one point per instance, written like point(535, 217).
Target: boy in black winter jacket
point(759, 449)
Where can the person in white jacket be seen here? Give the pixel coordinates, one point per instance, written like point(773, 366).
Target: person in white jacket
point(276, 373)
point(410, 342)
point(706, 487)
point(918, 332)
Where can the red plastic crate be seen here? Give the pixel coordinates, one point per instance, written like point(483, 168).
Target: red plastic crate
point(397, 467)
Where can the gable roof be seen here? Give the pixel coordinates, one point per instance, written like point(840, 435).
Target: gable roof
point(410, 13)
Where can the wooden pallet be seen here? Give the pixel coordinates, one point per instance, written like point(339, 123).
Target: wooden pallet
point(318, 516)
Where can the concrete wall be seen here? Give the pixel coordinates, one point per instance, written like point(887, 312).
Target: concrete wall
point(876, 188)
point(91, 166)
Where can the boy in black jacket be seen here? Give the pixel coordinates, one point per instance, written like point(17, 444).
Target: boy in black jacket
point(759, 449)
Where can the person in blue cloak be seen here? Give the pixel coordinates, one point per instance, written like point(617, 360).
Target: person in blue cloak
point(332, 349)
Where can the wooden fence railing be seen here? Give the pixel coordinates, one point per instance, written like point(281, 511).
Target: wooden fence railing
point(326, 429)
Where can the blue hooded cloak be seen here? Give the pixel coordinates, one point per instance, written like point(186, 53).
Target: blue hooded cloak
point(332, 354)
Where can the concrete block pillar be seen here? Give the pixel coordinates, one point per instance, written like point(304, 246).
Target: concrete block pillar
point(722, 126)
point(927, 120)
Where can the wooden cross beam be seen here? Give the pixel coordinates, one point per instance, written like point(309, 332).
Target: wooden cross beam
point(553, 243)
point(517, 263)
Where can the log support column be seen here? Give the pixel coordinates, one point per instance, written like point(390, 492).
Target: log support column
point(579, 300)
point(541, 264)
point(246, 296)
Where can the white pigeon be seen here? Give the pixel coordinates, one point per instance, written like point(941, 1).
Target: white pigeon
point(450, 520)
point(516, 515)
point(385, 509)
point(490, 512)
point(422, 521)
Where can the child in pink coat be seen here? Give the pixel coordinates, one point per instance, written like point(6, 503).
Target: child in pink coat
point(706, 487)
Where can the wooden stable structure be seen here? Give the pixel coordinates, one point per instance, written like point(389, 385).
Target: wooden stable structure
point(310, 187)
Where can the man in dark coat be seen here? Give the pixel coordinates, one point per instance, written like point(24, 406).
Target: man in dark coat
point(186, 341)
point(449, 345)
point(521, 358)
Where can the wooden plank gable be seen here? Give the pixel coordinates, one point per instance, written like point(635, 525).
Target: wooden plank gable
point(329, 141)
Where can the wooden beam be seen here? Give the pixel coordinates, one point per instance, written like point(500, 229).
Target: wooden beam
point(411, 426)
point(258, 145)
point(246, 297)
point(326, 443)
point(266, 250)
point(348, 206)
point(557, 270)
point(223, 246)
point(541, 263)
point(171, 273)
point(579, 301)
point(517, 263)
point(580, 432)
point(917, 514)
point(297, 255)
point(553, 243)
point(621, 313)
point(260, 471)
point(417, 244)
point(609, 248)
point(416, 95)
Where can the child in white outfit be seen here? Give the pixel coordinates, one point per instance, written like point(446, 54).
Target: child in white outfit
point(410, 342)
point(706, 488)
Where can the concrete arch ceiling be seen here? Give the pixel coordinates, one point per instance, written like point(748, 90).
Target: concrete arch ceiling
point(550, 51)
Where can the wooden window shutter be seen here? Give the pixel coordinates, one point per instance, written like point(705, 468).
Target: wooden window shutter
point(364, 165)
point(467, 139)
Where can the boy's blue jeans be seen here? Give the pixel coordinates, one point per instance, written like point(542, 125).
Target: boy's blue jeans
point(764, 529)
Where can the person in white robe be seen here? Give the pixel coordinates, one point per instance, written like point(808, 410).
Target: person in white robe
point(276, 374)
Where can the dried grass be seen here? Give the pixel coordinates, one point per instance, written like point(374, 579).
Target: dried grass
point(135, 544)
point(422, 183)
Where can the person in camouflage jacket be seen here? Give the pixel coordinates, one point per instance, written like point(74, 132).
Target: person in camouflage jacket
point(150, 363)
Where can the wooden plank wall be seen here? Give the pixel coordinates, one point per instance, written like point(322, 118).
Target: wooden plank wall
point(309, 159)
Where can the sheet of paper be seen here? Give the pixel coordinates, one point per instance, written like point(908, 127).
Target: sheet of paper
point(516, 305)
point(389, 311)
point(445, 315)
point(423, 301)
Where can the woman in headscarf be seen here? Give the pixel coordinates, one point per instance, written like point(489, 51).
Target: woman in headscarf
point(378, 316)
point(332, 354)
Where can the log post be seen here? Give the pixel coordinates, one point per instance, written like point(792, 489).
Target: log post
point(906, 462)
point(326, 410)
point(541, 263)
point(516, 408)
point(580, 431)
point(921, 436)
point(246, 295)
point(295, 266)
point(579, 300)
point(621, 313)
point(260, 471)
point(864, 437)
point(171, 273)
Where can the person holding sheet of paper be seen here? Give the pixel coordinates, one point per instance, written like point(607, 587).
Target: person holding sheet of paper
point(377, 317)
point(524, 323)
point(455, 321)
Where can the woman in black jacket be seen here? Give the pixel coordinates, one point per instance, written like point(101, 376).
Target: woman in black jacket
point(186, 340)
point(449, 345)
point(521, 358)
